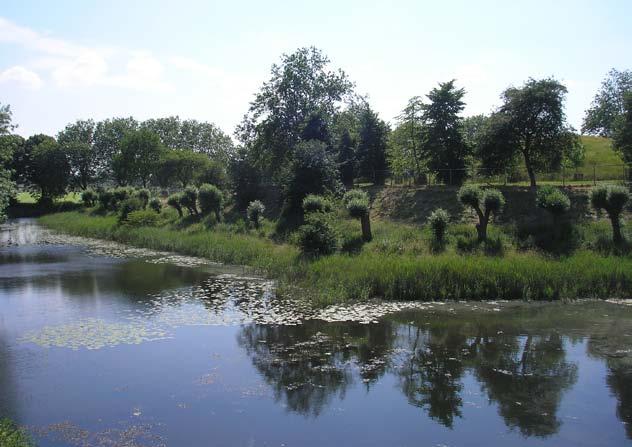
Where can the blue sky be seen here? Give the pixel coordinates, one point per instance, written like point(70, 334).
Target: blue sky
point(64, 60)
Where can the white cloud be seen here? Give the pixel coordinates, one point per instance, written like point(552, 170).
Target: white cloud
point(21, 75)
point(72, 65)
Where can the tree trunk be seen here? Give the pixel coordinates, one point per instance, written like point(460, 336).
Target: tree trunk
point(218, 217)
point(366, 227)
point(531, 177)
point(617, 237)
point(481, 229)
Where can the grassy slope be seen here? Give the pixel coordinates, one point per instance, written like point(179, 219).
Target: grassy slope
point(397, 265)
point(599, 152)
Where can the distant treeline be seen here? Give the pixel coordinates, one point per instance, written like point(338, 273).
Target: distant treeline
point(307, 131)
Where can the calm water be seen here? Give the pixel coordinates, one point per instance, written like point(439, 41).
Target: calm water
point(104, 348)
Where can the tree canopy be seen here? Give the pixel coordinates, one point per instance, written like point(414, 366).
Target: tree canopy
point(608, 104)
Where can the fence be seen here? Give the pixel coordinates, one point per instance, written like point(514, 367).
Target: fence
point(582, 176)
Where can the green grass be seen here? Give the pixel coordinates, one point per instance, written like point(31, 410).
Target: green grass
point(12, 436)
point(27, 197)
point(397, 265)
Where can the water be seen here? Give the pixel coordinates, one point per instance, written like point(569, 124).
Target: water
point(103, 346)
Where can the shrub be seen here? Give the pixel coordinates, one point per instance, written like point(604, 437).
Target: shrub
point(255, 212)
point(354, 194)
point(127, 206)
point(105, 198)
point(438, 222)
point(188, 199)
point(155, 204)
point(12, 436)
point(357, 204)
point(142, 218)
point(313, 203)
point(484, 202)
point(89, 198)
point(317, 237)
point(211, 200)
point(612, 199)
point(553, 200)
point(174, 201)
point(119, 195)
point(143, 194)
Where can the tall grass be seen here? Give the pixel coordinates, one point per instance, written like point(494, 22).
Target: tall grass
point(380, 269)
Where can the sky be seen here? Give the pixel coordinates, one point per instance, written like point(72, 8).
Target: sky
point(66, 60)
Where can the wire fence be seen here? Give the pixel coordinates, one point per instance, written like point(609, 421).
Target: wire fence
point(588, 175)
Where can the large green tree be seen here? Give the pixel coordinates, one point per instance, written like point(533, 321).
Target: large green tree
point(622, 140)
point(108, 135)
point(49, 171)
point(444, 146)
point(7, 148)
point(608, 104)
point(77, 139)
point(138, 158)
point(301, 85)
point(405, 141)
point(372, 143)
point(181, 167)
point(530, 124)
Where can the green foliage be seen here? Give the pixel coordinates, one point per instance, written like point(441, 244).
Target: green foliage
point(346, 158)
point(142, 218)
point(355, 194)
point(484, 202)
point(189, 200)
point(10, 434)
point(155, 205)
point(612, 199)
point(313, 171)
point(313, 203)
point(6, 119)
point(50, 169)
point(530, 124)
point(181, 167)
point(553, 200)
point(89, 197)
point(175, 201)
point(372, 144)
point(438, 222)
point(493, 201)
point(623, 129)
point(211, 200)
point(404, 145)
point(8, 145)
point(138, 159)
point(317, 236)
point(104, 197)
point(127, 206)
point(608, 104)
point(143, 194)
point(299, 86)
point(255, 212)
point(245, 179)
point(358, 208)
point(443, 145)
point(470, 195)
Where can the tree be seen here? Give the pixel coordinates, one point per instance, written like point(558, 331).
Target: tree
point(444, 145)
point(346, 159)
point(622, 141)
point(6, 120)
point(357, 204)
point(298, 87)
point(313, 171)
point(612, 199)
point(77, 140)
point(108, 135)
point(245, 178)
point(608, 104)
point(472, 129)
point(8, 145)
point(49, 170)
point(405, 145)
point(371, 150)
point(484, 203)
point(531, 123)
point(183, 167)
point(438, 221)
point(139, 157)
point(255, 212)
point(211, 200)
point(556, 203)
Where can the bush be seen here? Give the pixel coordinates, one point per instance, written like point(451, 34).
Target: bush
point(553, 200)
point(438, 222)
point(12, 436)
point(142, 218)
point(119, 195)
point(355, 194)
point(317, 237)
point(174, 201)
point(484, 202)
point(612, 199)
point(143, 194)
point(88, 198)
point(155, 204)
point(255, 212)
point(188, 199)
point(105, 198)
point(211, 200)
point(313, 203)
point(127, 206)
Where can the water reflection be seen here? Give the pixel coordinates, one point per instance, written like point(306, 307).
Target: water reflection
point(522, 369)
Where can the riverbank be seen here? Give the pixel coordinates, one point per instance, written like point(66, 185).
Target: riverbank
point(370, 274)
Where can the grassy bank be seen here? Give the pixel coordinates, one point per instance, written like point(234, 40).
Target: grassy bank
point(392, 267)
